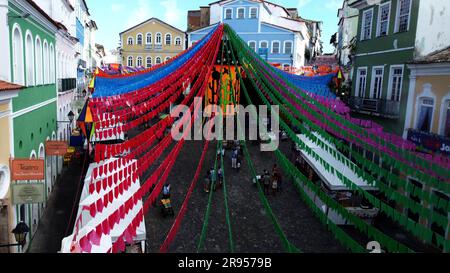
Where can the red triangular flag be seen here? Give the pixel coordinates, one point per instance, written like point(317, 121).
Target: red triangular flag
point(92, 210)
point(85, 245)
point(100, 205)
point(98, 186)
point(105, 227)
point(105, 184)
point(94, 238)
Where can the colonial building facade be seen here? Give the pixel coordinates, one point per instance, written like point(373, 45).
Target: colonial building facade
point(390, 34)
point(40, 57)
point(428, 111)
point(348, 28)
point(32, 40)
point(278, 34)
point(151, 42)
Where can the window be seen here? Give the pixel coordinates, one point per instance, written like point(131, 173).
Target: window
point(396, 82)
point(18, 62)
point(168, 39)
point(383, 19)
point(139, 62)
point(38, 55)
point(228, 14)
point(167, 59)
point(426, 107)
point(275, 47)
point(148, 38)
point(46, 63)
point(130, 61)
point(446, 113)
point(288, 47)
point(52, 64)
point(130, 40)
point(361, 81)
point(253, 13)
point(240, 13)
point(158, 38)
point(149, 62)
point(403, 14)
point(366, 30)
point(377, 83)
point(158, 60)
point(178, 41)
point(139, 39)
point(264, 44)
point(30, 59)
point(252, 45)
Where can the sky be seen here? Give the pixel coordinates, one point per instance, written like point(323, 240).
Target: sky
point(115, 16)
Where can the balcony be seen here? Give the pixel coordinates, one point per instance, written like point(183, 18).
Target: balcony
point(67, 84)
point(376, 107)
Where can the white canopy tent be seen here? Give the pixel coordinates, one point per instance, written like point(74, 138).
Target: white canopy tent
point(329, 178)
point(87, 223)
point(332, 181)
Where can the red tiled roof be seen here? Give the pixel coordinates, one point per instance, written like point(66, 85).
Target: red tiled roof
point(7, 86)
point(440, 56)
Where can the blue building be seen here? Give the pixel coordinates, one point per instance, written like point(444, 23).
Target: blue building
point(278, 34)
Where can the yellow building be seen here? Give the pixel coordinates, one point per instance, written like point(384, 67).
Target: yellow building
point(428, 116)
point(428, 112)
point(7, 93)
point(151, 42)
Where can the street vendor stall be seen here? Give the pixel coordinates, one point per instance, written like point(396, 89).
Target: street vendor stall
point(333, 186)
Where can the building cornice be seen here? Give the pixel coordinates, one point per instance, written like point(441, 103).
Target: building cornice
point(7, 95)
point(434, 69)
point(361, 4)
point(41, 19)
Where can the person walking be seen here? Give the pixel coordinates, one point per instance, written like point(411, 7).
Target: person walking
point(220, 178)
point(266, 182)
point(238, 164)
point(166, 192)
point(207, 184)
point(274, 185)
point(234, 159)
point(276, 173)
point(213, 179)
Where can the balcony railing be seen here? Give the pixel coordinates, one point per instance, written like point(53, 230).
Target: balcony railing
point(377, 107)
point(67, 84)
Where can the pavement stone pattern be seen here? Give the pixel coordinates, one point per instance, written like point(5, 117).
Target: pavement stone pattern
point(253, 231)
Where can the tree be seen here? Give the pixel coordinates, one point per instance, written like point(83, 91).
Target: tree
point(333, 40)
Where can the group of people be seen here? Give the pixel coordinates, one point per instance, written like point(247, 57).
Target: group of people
point(272, 181)
point(213, 181)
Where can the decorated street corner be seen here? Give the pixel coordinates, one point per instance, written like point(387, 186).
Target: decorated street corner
point(250, 129)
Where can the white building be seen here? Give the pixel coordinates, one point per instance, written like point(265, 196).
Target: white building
point(346, 37)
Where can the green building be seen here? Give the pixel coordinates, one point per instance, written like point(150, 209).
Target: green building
point(34, 110)
point(386, 40)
